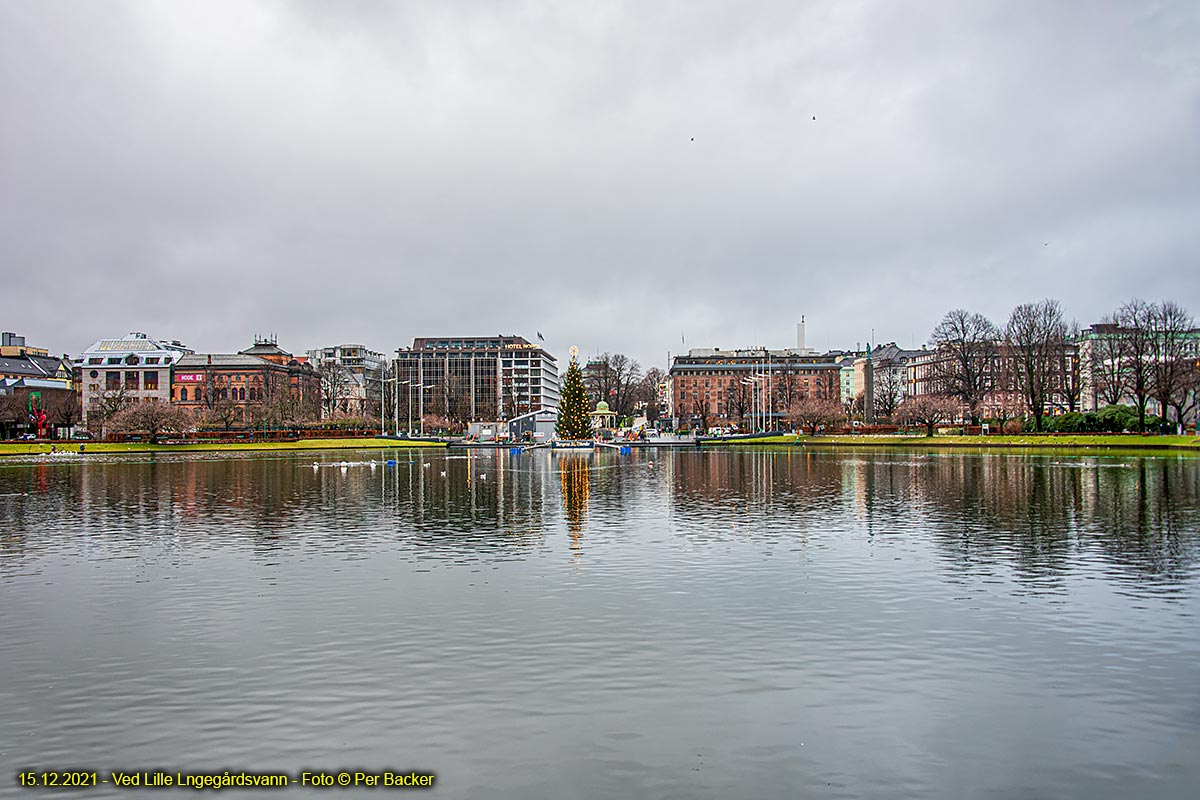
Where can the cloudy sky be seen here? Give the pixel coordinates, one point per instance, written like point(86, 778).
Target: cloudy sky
point(620, 176)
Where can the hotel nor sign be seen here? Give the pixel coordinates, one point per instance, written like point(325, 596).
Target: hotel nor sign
point(189, 377)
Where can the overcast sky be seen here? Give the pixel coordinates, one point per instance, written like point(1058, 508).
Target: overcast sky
point(620, 176)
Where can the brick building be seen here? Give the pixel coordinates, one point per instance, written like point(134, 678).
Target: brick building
point(263, 384)
point(748, 389)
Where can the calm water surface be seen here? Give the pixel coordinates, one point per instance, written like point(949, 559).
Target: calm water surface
point(666, 625)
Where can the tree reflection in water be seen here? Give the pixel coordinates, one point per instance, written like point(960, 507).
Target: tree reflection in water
point(1137, 518)
point(575, 476)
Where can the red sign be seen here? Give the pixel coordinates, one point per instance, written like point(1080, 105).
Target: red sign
point(189, 377)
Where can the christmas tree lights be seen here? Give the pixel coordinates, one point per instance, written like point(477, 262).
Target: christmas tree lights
point(573, 420)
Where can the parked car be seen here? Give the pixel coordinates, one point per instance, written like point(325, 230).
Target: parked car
point(27, 437)
point(81, 435)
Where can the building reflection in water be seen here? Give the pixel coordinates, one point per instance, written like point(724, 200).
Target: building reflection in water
point(1041, 517)
point(574, 474)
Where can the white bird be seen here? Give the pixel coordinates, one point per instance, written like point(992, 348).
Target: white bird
point(483, 476)
point(443, 473)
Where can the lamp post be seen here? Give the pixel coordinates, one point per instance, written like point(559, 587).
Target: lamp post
point(382, 401)
point(421, 397)
point(408, 383)
point(752, 382)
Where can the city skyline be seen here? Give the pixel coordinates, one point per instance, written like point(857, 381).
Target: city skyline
point(625, 182)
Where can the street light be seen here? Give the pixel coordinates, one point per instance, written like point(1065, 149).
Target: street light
point(383, 382)
point(408, 428)
point(754, 398)
point(421, 396)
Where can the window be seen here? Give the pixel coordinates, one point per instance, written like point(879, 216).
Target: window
point(131, 379)
point(112, 381)
point(183, 393)
point(150, 380)
point(152, 360)
point(113, 360)
point(95, 360)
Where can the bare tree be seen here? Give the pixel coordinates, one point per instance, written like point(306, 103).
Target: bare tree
point(965, 366)
point(154, 418)
point(224, 413)
point(335, 383)
point(889, 389)
point(1107, 361)
point(458, 401)
point(1035, 334)
point(64, 409)
point(815, 412)
point(1187, 397)
point(1171, 367)
point(1006, 395)
point(927, 410)
point(737, 402)
point(106, 404)
point(647, 392)
point(13, 412)
point(1136, 320)
point(508, 398)
point(614, 378)
point(786, 389)
point(700, 410)
point(1068, 386)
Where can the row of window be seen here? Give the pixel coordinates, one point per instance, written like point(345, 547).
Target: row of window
point(239, 393)
point(134, 380)
point(130, 360)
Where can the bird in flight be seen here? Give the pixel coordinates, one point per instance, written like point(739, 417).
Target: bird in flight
point(814, 119)
point(693, 138)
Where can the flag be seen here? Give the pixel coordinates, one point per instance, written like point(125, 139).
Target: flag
point(543, 338)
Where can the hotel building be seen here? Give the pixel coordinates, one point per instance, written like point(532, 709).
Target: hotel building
point(475, 378)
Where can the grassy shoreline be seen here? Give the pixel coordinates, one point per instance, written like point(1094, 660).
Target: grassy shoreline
point(33, 448)
point(1081, 442)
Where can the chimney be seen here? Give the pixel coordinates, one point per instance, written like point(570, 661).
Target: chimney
point(800, 333)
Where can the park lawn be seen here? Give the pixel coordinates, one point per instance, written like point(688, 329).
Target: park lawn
point(27, 448)
point(1083, 440)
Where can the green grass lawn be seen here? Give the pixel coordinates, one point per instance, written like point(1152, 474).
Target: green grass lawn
point(1118, 441)
point(26, 448)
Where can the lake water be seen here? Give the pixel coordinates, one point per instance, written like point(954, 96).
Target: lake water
point(699, 624)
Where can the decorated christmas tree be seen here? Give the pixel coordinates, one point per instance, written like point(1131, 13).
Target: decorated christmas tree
point(573, 420)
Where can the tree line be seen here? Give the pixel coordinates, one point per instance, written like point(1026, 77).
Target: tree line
point(619, 380)
point(1038, 362)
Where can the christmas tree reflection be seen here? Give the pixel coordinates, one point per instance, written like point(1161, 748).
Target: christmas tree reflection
point(574, 473)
